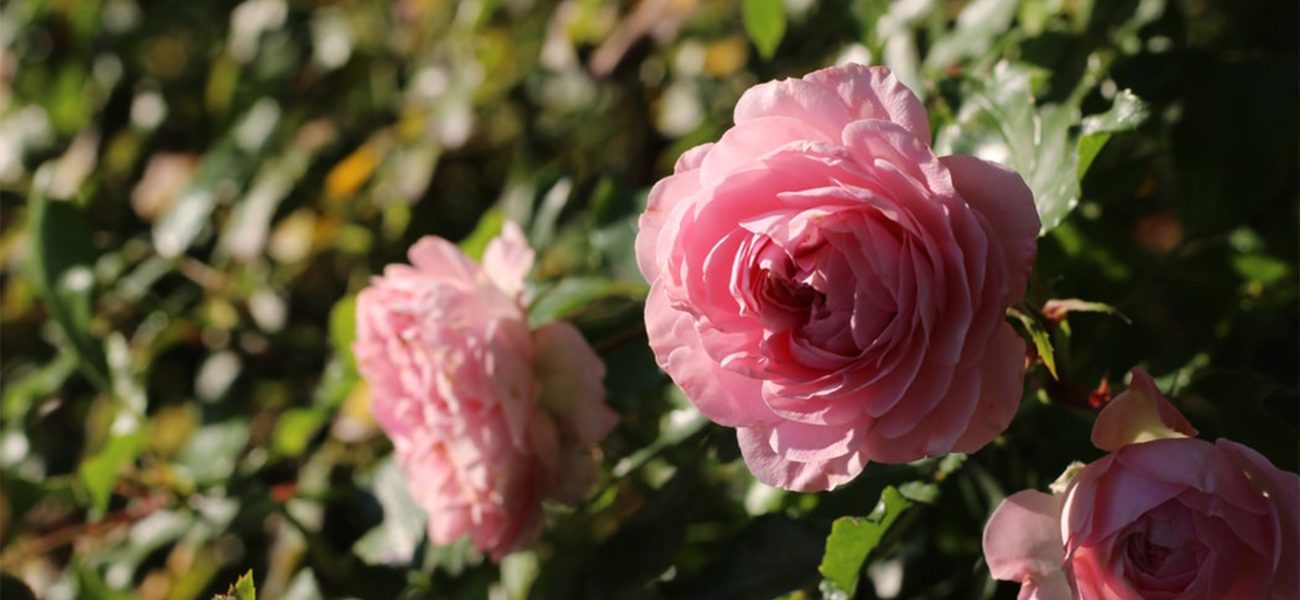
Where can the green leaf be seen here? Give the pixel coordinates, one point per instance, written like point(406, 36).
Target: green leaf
point(395, 539)
point(241, 589)
point(23, 390)
point(648, 542)
point(1041, 338)
point(1058, 309)
point(1126, 113)
point(1260, 268)
point(979, 23)
point(765, 24)
point(343, 328)
point(852, 540)
point(488, 227)
point(569, 296)
point(211, 455)
point(295, 428)
point(1000, 121)
point(60, 262)
point(99, 472)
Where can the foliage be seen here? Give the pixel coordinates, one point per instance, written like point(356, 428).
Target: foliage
point(192, 195)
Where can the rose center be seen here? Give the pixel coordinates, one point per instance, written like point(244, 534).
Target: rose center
point(1145, 555)
point(793, 297)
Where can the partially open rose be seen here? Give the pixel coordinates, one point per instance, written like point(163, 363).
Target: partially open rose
point(1164, 515)
point(823, 283)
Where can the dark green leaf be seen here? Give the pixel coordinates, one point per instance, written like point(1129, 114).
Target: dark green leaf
point(60, 261)
point(647, 543)
point(774, 555)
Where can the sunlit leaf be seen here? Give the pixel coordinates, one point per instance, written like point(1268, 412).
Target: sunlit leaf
point(99, 472)
point(852, 540)
point(241, 589)
point(1125, 114)
point(1001, 122)
point(1041, 338)
point(343, 328)
point(765, 24)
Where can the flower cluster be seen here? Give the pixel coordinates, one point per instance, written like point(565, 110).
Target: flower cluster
point(827, 286)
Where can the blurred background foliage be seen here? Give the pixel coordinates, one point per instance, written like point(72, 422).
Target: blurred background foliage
point(192, 191)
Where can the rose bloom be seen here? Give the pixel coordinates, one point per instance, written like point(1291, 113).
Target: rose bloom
point(487, 418)
point(1164, 515)
point(824, 284)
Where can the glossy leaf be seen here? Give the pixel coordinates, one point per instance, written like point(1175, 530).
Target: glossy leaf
point(1126, 113)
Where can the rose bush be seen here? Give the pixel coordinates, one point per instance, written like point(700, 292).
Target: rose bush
point(1164, 515)
point(487, 418)
point(824, 284)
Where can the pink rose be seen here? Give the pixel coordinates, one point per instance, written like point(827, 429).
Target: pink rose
point(824, 284)
point(1164, 515)
point(487, 418)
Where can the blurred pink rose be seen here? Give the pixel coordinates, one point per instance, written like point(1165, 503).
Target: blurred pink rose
point(1164, 515)
point(823, 283)
point(487, 418)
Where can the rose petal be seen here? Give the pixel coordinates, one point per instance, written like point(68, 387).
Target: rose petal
point(1283, 490)
point(438, 258)
point(1023, 537)
point(721, 395)
point(777, 471)
point(1140, 414)
point(1001, 195)
point(507, 260)
point(797, 100)
point(572, 382)
point(875, 93)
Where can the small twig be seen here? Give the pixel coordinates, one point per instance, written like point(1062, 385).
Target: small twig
point(66, 535)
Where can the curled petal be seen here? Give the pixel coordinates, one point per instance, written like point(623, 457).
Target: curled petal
point(1140, 414)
